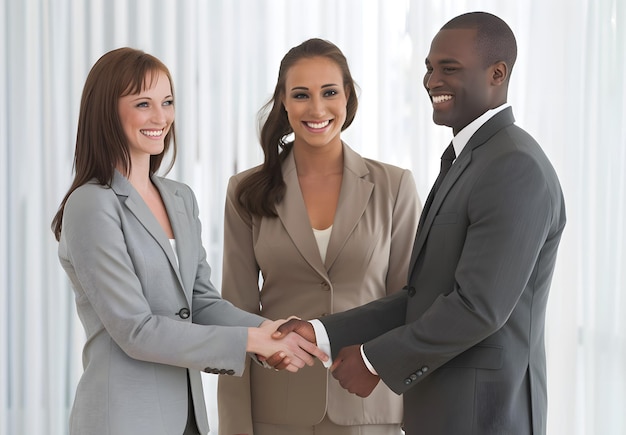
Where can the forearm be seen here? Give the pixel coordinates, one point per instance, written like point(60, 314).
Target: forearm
point(364, 323)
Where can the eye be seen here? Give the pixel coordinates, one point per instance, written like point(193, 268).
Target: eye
point(299, 96)
point(142, 104)
point(449, 69)
point(331, 93)
point(168, 103)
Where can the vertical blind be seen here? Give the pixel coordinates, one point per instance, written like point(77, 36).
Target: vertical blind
point(567, 90)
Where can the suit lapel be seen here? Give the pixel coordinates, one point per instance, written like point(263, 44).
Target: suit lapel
point(493, 125)
point(177, 214)
point(426, 221)
point(293, 215)
point(136, 205)
point(353, 199)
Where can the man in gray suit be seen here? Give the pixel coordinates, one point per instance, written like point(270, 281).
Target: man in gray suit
point(464, 343)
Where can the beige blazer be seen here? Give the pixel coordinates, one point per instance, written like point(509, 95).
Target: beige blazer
point(150, 324)
point(367, 258)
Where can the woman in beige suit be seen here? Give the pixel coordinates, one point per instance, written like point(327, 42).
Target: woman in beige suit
point(328, 230)
point(130, 243)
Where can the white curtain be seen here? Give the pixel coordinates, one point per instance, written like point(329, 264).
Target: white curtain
point(567, 90)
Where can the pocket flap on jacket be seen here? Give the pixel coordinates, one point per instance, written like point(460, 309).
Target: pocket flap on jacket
point(445, 219)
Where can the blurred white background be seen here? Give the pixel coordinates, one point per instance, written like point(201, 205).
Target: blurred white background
point(567, 90)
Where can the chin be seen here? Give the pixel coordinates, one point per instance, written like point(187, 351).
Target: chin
point(440, 120)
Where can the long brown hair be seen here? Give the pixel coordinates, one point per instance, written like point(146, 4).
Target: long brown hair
point(101, 144)
point(262, 190)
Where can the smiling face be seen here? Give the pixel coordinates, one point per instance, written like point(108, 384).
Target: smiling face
point(315, 100)
point(146, 117)
point(460, 86)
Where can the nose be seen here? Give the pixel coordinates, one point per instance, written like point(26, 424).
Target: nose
point(317, 106)
point(431, 79)
point(160, 115)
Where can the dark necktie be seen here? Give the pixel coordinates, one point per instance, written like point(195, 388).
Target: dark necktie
point(447, 158)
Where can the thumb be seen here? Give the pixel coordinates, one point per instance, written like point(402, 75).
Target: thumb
point(335, 364)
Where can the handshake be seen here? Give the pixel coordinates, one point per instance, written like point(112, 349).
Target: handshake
point(291, 344)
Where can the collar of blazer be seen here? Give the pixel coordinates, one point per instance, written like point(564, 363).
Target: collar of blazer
point(482, 135)
point(175, 207)
point(353, 198)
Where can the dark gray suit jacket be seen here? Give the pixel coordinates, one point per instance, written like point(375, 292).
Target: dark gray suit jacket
point(465, 342)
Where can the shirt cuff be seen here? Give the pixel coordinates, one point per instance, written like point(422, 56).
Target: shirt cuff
point(369, 365)
point(323, 342)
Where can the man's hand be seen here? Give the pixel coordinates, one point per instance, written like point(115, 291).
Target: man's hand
point(352, 373)
point(301, 327)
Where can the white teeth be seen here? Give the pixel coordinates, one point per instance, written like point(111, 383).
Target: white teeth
point(441, 98)
point(318, 124)
point(152, 133)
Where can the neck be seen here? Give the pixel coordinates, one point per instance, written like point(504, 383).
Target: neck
point(139, 176)
point(325, 161)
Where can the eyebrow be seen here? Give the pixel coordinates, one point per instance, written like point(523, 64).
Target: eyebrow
point(150, 98)
point(443, 61)
point(304, 88)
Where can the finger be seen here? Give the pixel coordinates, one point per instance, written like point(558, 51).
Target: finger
point(286, 362)
point(305, 357)
point(285, 328)
point(275, 359)
point(291, 368)
point(295, 361)
point(312, 349)
point(335, 364)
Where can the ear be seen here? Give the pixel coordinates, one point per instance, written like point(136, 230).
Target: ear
point(499, 73)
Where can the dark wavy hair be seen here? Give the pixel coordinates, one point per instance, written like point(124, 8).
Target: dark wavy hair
point(101, 144)
point(260, 191)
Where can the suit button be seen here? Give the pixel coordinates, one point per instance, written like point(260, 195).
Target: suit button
point(424, 369)
point(407, 381)
point(411, 291)
point(325, 286)
point(413, 377)
point(419, 373)
point(230, 372)
point(183, 313)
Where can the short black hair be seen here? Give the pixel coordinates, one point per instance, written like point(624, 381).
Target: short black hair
point(494, 37)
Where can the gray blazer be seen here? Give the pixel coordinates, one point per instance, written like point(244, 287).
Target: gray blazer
point(150, 324)
point(367, 258)
point(465, 342)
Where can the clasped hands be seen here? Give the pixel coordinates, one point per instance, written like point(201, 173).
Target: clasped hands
point(289, 351)
point(348, 366)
